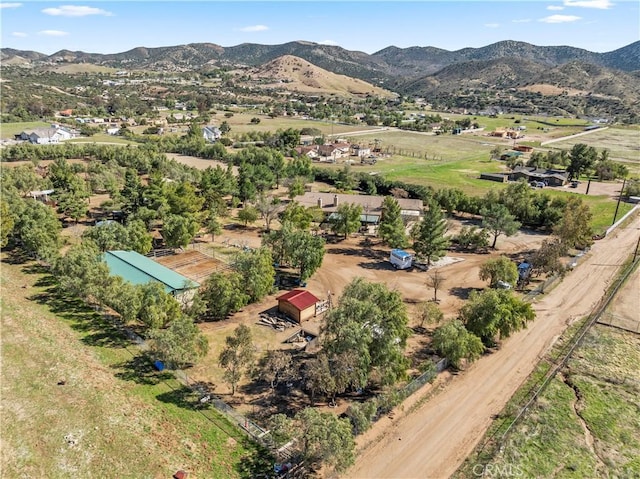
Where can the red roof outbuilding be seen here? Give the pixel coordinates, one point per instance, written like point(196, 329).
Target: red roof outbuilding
point(300, 299)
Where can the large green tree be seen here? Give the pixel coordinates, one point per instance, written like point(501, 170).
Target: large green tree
point(574, 228)
point(6, 223)
point(499, 269)
point(582, 159)
point(181, 344)
point(81, 272)
point(304, 252)
point(237, 356)
point(497, 219)
point(37, 230)
point(429, 241)
point(223, 294)
point(158, 308)
point(325, 439)
point(454, 342)
point(372, 322)
point(346, 219)
point(178, 231)
point(494, 314)
point(391, 228)
point(256, 269)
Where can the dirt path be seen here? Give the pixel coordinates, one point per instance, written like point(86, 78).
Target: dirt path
point(432, 442)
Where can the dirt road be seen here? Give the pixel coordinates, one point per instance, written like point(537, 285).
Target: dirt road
point(431, 442)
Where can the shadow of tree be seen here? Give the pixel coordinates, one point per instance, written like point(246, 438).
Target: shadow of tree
point(257, 464)
point(462, 293)
point(95, 329)
point(140, 369)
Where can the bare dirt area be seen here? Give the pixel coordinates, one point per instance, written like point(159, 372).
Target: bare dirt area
point(198, 163)
point(432, 441)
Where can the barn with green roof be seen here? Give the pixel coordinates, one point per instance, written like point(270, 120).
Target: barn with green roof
point(138, 269)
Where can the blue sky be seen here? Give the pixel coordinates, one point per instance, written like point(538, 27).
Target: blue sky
point(117, 26)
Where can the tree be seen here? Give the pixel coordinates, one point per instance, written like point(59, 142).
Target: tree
point(546, 260)
point(282, 429)
point(574, 228)
point(181, 344)
point(138, 239)
point(370, 321)
point(454, 342)
point(346, 219)
point(346, 180)
point(256, 269)
point(499, 269)
point(429, 241)
point(582, 159)
point(80, 272)
point(248, 214)
point(269, 207)
point(493, 313)
point(317, 376)
point(435, 280)
point(182, 199)
point(296, 187)
point(497, 219)
point(472, 238)
point(304, 252)
point(158, 308)
point(391, 228)
point(276, 367)
point(178, 231)
point(38, 231)
point(237, 356)
point(429, 313)
point(326, 439)
point(225, 127)
point(213, 225)
point(6, 223)
point(495, 153)
point(223, 294)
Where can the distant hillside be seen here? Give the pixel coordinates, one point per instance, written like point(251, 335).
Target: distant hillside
point(389, 63)
point(295, 74)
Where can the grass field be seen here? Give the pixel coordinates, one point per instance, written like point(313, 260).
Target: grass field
point(587, 422)
point(9, 130)
point(79, 401)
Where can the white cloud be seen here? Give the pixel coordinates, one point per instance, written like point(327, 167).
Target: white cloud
point(53, 33)
point(10, 5)
point(599, 4)
point(560, 19)
point(18, 34)
point(555, 7)
point(492, 25)
point(522, 20)
point(254, 28)
point(75, 11)
point(329, 42)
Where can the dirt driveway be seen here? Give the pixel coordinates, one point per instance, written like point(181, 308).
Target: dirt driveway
point(432, 441)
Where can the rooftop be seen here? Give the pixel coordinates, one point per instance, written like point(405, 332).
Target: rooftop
point(370, 204)
point(138, 269)
point(300, 299)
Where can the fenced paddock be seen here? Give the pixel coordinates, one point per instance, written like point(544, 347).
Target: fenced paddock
point(193, 264)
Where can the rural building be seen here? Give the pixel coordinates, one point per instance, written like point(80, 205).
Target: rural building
point(499, 177)
point(547, 176)
point(138, 269)
point(211, 134)
point(360, 151)
point(309, 151)
point(46, 136)
point(371, 205)
point(510, 154)
point(524, 148)
point(298, 304)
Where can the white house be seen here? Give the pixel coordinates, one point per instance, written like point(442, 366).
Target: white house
point(46, 136)
point(211, 134)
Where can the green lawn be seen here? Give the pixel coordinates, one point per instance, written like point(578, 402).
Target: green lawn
point(9, 130)
point(80, 401)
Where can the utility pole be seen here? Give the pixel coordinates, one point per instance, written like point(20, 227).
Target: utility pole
point(615, 215)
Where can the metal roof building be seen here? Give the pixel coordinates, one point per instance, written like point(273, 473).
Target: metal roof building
point(138, 269)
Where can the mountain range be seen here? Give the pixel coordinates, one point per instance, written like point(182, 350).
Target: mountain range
point(612, 76)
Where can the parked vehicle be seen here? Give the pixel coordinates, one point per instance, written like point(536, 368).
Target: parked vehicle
point(400, 259)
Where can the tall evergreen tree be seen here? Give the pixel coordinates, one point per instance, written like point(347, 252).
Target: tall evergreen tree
point(429, 241)
point(391, 228)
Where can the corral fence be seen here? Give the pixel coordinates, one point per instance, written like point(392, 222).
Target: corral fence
point(424, 378)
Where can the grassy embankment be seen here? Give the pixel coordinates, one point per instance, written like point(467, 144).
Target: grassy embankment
point(80, 401)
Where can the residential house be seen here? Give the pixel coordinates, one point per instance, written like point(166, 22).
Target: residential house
point(371, 205)
point(211, 134)
point(47, 136)
point(309, 151)
point(548, 176)
point(360, 151)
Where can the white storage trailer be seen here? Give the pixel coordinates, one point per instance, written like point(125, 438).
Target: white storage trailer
point(400, 259)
